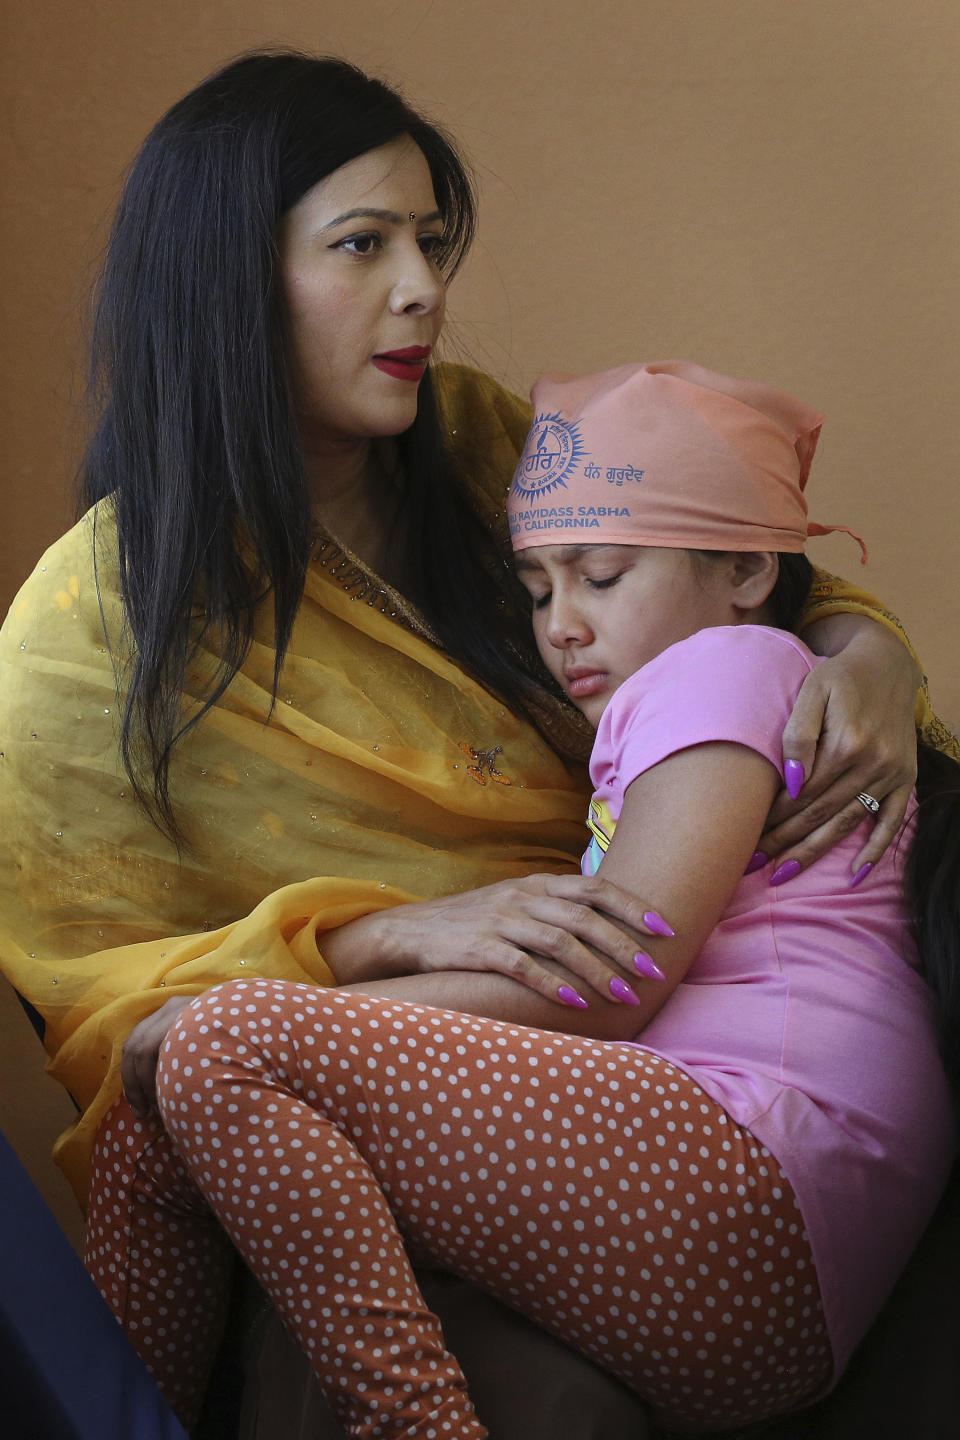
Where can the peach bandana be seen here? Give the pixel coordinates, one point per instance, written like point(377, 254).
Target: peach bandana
point(665, 454)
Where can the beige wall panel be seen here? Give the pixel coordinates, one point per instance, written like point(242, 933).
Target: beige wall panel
point(764, 186)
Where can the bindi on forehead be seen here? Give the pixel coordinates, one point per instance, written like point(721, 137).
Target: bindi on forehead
point(370, 212)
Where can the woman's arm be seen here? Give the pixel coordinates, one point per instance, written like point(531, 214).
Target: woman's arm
point(547, 931)
point(468, 952)
point(687, 829)
point(852, 730)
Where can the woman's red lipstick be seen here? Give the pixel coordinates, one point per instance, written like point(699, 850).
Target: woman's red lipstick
point(407, 364)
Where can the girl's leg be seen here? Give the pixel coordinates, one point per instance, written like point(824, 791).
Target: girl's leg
point(157, 1255)
point(592, 1186)
point(306, 1212)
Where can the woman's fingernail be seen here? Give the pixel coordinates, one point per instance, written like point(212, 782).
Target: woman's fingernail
point(657, 924)
point(646, 967)
point(786, 871)
point(756, 862)
point(861, 874)
point(569, 996)
point(794, 777)
point(620, 990)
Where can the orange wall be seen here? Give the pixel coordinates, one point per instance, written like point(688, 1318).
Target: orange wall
point(764, 186)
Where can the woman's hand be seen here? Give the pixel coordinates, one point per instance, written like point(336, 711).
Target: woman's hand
point(529, 929)
point(138, 1066)
point(852, 731)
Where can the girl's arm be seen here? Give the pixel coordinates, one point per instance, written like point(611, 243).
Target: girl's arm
point(466, 952)
point(687, 829)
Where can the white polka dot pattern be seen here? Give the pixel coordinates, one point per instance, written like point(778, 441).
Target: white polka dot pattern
point(590, 1185)
point(159, 1258)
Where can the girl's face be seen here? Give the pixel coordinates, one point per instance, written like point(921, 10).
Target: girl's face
point(364, 295)
point(602, 611)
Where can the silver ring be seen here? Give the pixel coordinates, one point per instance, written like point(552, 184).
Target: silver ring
point(868, 803)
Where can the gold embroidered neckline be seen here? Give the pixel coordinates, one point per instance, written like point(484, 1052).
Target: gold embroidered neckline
point(351, 575)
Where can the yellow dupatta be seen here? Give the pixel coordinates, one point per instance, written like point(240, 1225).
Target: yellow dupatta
point(384, 774)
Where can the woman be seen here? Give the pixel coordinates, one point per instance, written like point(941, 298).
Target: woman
point(310, 684)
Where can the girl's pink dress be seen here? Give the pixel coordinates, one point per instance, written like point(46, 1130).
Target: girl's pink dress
point(804, 1014)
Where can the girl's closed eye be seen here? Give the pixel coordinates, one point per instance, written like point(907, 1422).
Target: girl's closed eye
point(606, 582)
point(536, 587)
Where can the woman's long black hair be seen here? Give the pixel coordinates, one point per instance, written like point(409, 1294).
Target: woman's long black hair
point(933, 883)
point(933, 862)
point(196, 442)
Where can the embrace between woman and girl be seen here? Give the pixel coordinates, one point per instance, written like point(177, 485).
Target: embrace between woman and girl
point(279, 734)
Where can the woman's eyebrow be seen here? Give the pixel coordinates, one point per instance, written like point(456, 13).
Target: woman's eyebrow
point(391, 216)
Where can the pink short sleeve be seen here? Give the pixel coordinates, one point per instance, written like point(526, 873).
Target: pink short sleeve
point(728, 682)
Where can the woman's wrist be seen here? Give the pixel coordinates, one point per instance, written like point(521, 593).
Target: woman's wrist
point(364, 949)
point(833, 634)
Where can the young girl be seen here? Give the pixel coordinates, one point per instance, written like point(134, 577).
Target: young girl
point(658, 518)
point(714, 1213)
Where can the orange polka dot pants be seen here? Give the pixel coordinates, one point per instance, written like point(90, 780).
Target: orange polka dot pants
point(590, 1185)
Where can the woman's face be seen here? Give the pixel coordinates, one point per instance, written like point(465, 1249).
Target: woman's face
point(364, 295)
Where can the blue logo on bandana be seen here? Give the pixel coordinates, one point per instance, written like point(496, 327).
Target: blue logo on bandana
point(553, 450)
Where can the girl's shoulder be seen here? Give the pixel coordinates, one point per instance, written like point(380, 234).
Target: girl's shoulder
point(736, 683)
point(726, 656)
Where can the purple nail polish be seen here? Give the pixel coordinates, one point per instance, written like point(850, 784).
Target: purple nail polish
point(785, 872)
point(861, 874)
point(646, 967)
point(620, 990)
point(657, 924)
point(794, 777)
point(569, 996)
point(756, 862)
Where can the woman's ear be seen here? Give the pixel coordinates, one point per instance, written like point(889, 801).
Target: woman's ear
point(753, 574)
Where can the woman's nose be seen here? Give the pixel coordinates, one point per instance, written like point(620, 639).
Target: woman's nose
point(419, 287)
